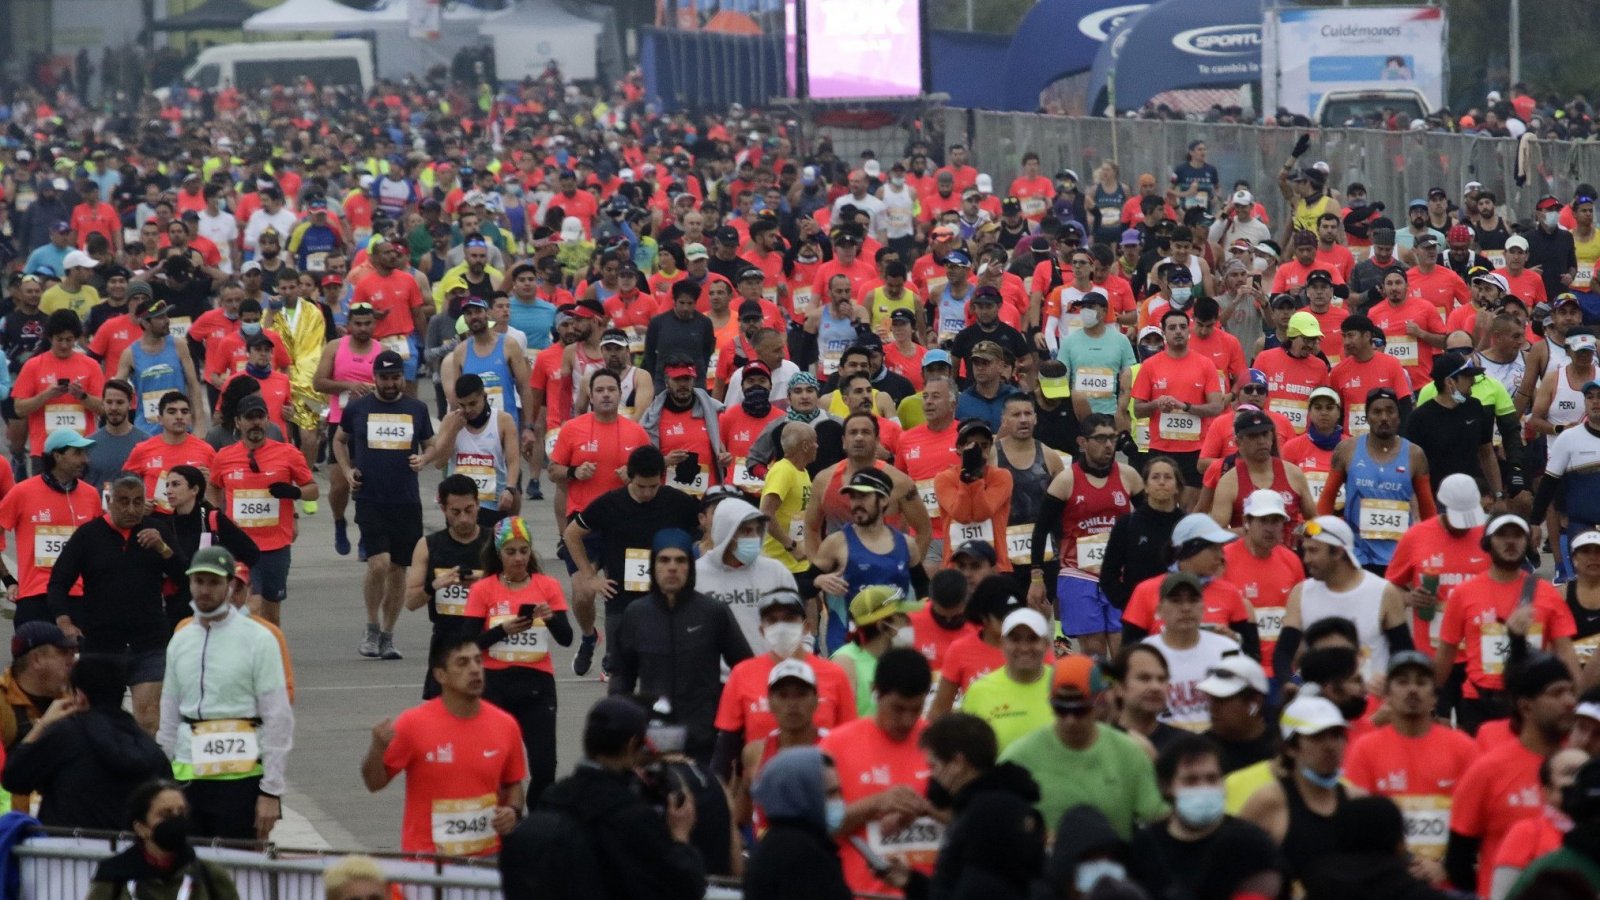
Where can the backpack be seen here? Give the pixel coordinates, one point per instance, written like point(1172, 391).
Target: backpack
point(551, 856)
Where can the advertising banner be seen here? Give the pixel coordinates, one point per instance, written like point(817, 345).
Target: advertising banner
point(863, 48)
point(1311, 52)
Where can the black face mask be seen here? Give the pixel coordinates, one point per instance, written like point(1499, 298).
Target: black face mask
point(757, 402)
point(482, 418)
point(952, 622)
point(172, 835)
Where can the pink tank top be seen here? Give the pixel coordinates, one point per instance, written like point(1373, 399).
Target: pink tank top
point(350, 366)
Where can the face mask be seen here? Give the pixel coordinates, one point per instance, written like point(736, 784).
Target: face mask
point(1148, 350)
point(1199, 807)
point(747, 549)
point(897, 181)
point(757, 402)
point(172, 834)
point(1358, 203)
point(1326, 782)
point(954, 622)
point(250, 329)
point(1180, 296)
point(833, 814)
point(1458, 397)
point(1089, 317)
point(482, 418)
point(212, 616)
point(784, 637)
point(257, 372)
point(269, 254)
point(904, 636)
point(806, 260)
point(1552, 219)
point(1089, 873)
point(230, 316)
point(1258, 265)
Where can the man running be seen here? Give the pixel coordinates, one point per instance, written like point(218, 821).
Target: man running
point(43, 512)
point(173, 446)
point(155, 364)
point(446, 563)
point(480, 442)
point(501, 366)
point(344, 373)
point(384, 439)
point(57, 388)
point(1177, 390)
point(1337, 586)
point(1382, 473)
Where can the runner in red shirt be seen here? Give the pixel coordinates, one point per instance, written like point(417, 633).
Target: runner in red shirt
point(1262, 568)
point(1437, 285)
point(395, 298)
point(43, 515)
point(742, 712)
point(1436, 555)
point(683, 431)
point(1033, 189)
point(1313, 451)
point(1222, 348)
point(1533, 837)
point(1364, 368)
point(1176, 390)
point(741, 424)
point(1329, 312)
point(942, 620)
point(1412, 328)
point(58, 388)
point(1521, 282)
point(591, 452)
point(1294, 370)
point(462, 759)
point(930, 448)
point(152, 459)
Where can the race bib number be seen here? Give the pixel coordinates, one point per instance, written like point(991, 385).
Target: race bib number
point(930, 498)
point(900, 219)
point(918, 842)
point(961, 532)
point(797, 530)
point(1384, 520)
point(742, 477)
point(1292, 409)
point(1403, 348)
point(255, 508)
point(389, 431)
point(1494, 644)
point(1095, 383)
point(223, 747)
point(452, 600)
point(316, 262)
point(463, 827)
point(830, 359)
point(1141, 434)
point(769, 293)
point(484, 476)
point(1316, 481)
point(1427, 824)
point(1497, 258)
point(697, 487)
point(635, 570)
point(1269, 621)
point(66, 415)
point(399, 343)
point(179, 327)
point(1033, 207)
point(1358, 419)
point(150, 405)
point(1584, 647)
point(496, 398)
point(1180, 426)
point(47, 543)
point(528, 646)
point(1019, 545)
point(1092, 551)
point(1581, 281)
point(802, 301)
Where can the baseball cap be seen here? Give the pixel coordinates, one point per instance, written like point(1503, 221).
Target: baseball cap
point(1508, 520)
point(942, 233)
point(1320, 275)
point(1547, 202)
point(977, 549)
point(984, 183)
point(727, 234)
point(792, 668)
point(1463, 505)
point(1243, 198)
point(958, 258)
point(1304, 324)
point(903, 315)
point(1564, 298)
point(936, 358)
point(615, 337)
point(1516, 242)
point(752, 368)
point(695, 251)
point(251, 266)
point(1093, 298)
point(869, 481)
point(875, 603)
point(973, 426)
point(1308, 716)
point(474, 303)
point(1449, 365)
point(62, 438)
point(1201, 527)
point(1590, 538)
point(1409, 658)
point(387, 363)
point(781, 596)
point(1132, 238)
point(986, 294)
point(1416, 203)
point(987, 350)
point(751, 309)
point(1264, 503)
point(680, 370)
point(31, 636)
point(61, 228)
point(616, 719)
point(1151, 331)
point(77, 259)
point(251, 403)
point(1576, 342)
point(1177, 580)
point(1077, 672)
point(1251, 421)
point(1233, 674)
point(1334, 532)
point(1426, 239)
point(1328, 392)
point(214, 560)
point(1029, 618)
point(1495, 279)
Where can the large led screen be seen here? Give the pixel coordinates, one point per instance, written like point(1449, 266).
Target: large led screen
point(863, 48)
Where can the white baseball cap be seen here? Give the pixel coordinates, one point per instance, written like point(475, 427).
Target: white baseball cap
point(1328, 392)
point(1026, 617)
point(1232, 675)
point(1463, 504)
point(872, 167)
point(1516, 242)
point(1590, 538)
point(77, 259)
point(985, 184)
point(1263, 503)
point(1495, 279)
point(1200, 527)
point(1509, 519)
point(1334, 532)
point(1243, 197)
point(792, 668)
point(1310, 715)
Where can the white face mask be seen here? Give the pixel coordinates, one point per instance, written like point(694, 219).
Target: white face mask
point(1552, 218)
point(904, 636)
point(1089, 874)
point(897, 180)
point(784, 637)
point(1180, 296)
point(1089, 316)
point(1258, 265)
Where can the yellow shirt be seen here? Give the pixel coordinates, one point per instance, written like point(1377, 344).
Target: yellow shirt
point(793, 489)
point(58, 298)
point(1306, 215)
point(1011, 708)
point(881, 305)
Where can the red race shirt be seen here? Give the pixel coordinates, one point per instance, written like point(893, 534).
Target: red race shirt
point(1427, 547)
point(1419, 774)
point(1220, 441)
point(1035, 194)
point(1225, 352)
point(1336, 259)
point(546, 376)
point(1313, 461)
point(1526, 285)
point(1265, 585)
point(1188, 378)
point(491, 600)
point(924, 453)
point(1477, 613)
point(933, 639)
point(1290, 382)
point(43, 519)
point(1441, 287)
point(227, 355)
point(607, 445)
point(99, 218)
point(869, 763)
point(969, 658)
point(208, 327)
point(906, 365)
point(743, 707)
point(42, 372)
point(115, 335)
point(1331, 322)
point(393, 296)
point(154, 458)
point(268, 520)
point(1498, 790)
point(275, 390)
point(1354, 379)
point(455, 768)
point(1223, 601)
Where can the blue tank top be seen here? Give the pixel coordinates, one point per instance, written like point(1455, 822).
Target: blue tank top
point(834, 336)
point(496, 375)
point(952, 314)
point(1369, 480)
point(865, 568)
point(154, 374)
point(534, 320)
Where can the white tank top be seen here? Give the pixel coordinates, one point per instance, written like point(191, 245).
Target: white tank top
point(480, 457)
point(1559, 357)
point(1362, 605)
point(1509, 374)
point(627, 409)
point(1567, 407)
point(899, 212)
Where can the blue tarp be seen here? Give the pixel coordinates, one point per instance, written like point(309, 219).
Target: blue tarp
point(1057, 38)
point(969, 66)
point(1179, 44)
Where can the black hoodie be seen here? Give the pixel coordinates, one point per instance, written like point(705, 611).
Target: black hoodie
point(85, 766)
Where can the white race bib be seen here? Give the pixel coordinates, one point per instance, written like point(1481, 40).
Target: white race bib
point(1427, 824)
point(1384, 520)
point(1095, 382)
point(697, 487)
point(399, 343)
point(1019, 545)
point(929, 497)
point(1180, 426)
point(961, 532)
point(550, 440)
point(1358, 419)
point(635, 570)
point(482, 473)
point(742, 477)
point(463, 827)
point(179, 326)
point(452, 600)
point(47, 543)
point(1292, 408)
point(223, 747)
point(150, 405)
point(1092, 551)
point(1494, 644)
point(918, 842)
point(390, 431)
point(255, 508)
point(528, 646)
point(1403, 348)
point(1269, 621)
point(66, 415)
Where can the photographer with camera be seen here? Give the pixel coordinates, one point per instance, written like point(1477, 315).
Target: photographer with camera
point(604, 832)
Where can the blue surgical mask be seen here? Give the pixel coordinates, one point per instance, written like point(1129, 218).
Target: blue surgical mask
point(1180, 296)
point(747, 550)
point(1199, 807)
point(1457, 396)
point(1089, 873)
point(250, 329)
point(833, 814)
point(1326, 782)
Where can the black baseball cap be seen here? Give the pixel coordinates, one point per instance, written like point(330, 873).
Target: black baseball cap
point(1319, 275)
point(1249, 421)
point(250, 403)
point(388, 363)
point(751, 309)
point(727, 235)
point(903, 315)
point(31, 636)
point(982, 550)
point(869, 481)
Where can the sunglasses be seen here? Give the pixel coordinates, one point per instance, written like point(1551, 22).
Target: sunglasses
point(1071, 708)
point(1253, 389)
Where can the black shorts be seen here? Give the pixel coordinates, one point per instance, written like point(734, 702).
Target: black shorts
point(1188, 466)
point(8, 408)
point(806, 582)
point(390, 528)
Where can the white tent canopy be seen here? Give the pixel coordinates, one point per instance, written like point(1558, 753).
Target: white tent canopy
point(327, 15)
point(527, 37)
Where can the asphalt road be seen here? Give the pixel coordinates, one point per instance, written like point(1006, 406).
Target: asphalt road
point(341, 695)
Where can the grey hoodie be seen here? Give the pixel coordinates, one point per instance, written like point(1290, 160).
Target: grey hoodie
point(704, 407)
point(739, 588)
